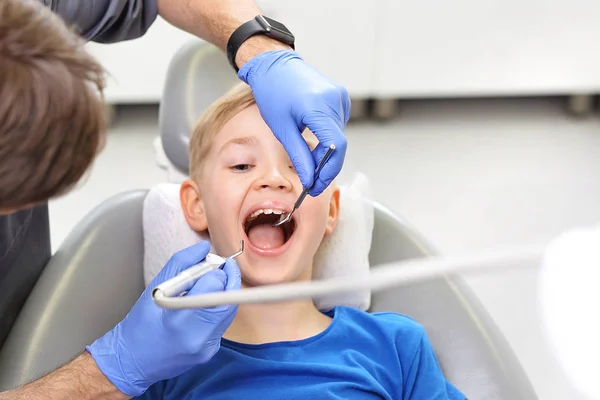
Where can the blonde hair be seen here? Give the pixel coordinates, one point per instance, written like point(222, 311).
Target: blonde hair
point(212, 121)
point(214, 118)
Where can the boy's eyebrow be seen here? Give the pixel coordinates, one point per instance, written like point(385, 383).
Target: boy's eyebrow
point(245, 140)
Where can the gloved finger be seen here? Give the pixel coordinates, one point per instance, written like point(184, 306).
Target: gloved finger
point(187, 258)
point(346, 104)
point(213, 281)
point(294, 144)
point(328, 132)
point(234, 275)
point(318, 153)
point(180, 261)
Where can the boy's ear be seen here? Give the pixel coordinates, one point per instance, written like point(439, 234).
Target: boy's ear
point(193, 206)
point(334, 210)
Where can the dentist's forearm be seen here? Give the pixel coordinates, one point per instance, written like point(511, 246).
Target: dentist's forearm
point(215, 21)
point(79, 380)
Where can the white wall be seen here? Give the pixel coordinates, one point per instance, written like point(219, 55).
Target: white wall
point(138, 68)
point(402, 49)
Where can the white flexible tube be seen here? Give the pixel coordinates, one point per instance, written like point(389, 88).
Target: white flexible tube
point(380, 278)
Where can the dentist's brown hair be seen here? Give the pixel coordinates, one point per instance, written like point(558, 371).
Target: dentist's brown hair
point(52, 114)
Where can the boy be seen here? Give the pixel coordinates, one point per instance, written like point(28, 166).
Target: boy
point(241, 182)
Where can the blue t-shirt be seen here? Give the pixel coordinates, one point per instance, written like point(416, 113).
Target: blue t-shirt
point(359, 356)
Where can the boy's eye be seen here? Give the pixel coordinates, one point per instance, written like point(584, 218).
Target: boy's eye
point(241, 167)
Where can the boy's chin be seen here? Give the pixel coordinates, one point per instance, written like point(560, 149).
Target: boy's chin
point(253, 281)
point(262, 274)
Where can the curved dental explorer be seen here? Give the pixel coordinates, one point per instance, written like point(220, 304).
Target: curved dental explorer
point(288, 217)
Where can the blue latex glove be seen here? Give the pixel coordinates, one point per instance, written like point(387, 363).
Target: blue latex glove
point(153, 344)
point(291, 96)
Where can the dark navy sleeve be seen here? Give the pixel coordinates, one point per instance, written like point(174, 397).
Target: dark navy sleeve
point(107, 21)
point(424, 378)
point(24, 252)
point(155, 392)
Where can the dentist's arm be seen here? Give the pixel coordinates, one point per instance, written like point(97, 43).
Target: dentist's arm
point(106, 21)
point(79, 380)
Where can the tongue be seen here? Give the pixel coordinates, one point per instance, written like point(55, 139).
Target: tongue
point(266, 237)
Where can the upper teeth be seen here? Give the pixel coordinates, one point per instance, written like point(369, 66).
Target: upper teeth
point(265, 211)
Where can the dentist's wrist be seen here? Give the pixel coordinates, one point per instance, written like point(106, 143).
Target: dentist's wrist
point(102, 385)
point(80, 379)
point(256, 45)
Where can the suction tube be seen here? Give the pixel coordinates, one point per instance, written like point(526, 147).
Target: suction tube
point(380, 278)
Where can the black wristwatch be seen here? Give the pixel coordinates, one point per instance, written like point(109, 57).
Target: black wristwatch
point(260, 25)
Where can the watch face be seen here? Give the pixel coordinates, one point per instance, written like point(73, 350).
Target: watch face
point(278, 26)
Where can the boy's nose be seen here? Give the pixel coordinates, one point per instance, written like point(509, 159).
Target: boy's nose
point(273, 178)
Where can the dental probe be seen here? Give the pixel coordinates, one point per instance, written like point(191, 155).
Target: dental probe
point(180, 284)
point(380, 278)
point(306, 190)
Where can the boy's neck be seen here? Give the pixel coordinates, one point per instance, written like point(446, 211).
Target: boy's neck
point(267, 323)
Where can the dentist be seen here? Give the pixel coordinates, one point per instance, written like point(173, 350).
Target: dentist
point(152, 344)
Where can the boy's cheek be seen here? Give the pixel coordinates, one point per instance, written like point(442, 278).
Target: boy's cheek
point(316, 217)
point(224, 211)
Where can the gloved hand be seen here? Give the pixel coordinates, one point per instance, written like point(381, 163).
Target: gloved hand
point(291, 96)
point(152, 344)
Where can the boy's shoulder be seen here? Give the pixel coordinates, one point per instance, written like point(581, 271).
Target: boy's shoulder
point(395, 326)
point(396, 320)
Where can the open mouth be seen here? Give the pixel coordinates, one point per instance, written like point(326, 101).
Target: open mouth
point(261, 233)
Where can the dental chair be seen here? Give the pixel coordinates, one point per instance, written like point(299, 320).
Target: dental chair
point(96, 276)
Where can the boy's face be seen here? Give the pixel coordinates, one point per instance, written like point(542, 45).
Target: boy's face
point(246, 181)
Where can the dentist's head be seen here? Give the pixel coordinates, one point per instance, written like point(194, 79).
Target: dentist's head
point(52, 115)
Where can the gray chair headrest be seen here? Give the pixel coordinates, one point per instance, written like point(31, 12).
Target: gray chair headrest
point(198, 74)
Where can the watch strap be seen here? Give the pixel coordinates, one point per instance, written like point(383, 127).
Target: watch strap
point(256, 26)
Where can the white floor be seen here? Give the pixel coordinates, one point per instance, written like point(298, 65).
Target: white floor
point(469, 175)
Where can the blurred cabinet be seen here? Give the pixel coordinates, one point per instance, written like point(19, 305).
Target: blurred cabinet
point(487, 47)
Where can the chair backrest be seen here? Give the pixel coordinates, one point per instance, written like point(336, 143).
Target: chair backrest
point(88, 286)
point(471, 350)
point(198, 74)
point(97, 275)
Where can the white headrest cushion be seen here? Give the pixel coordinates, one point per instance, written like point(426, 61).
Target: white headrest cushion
point(343, 253)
